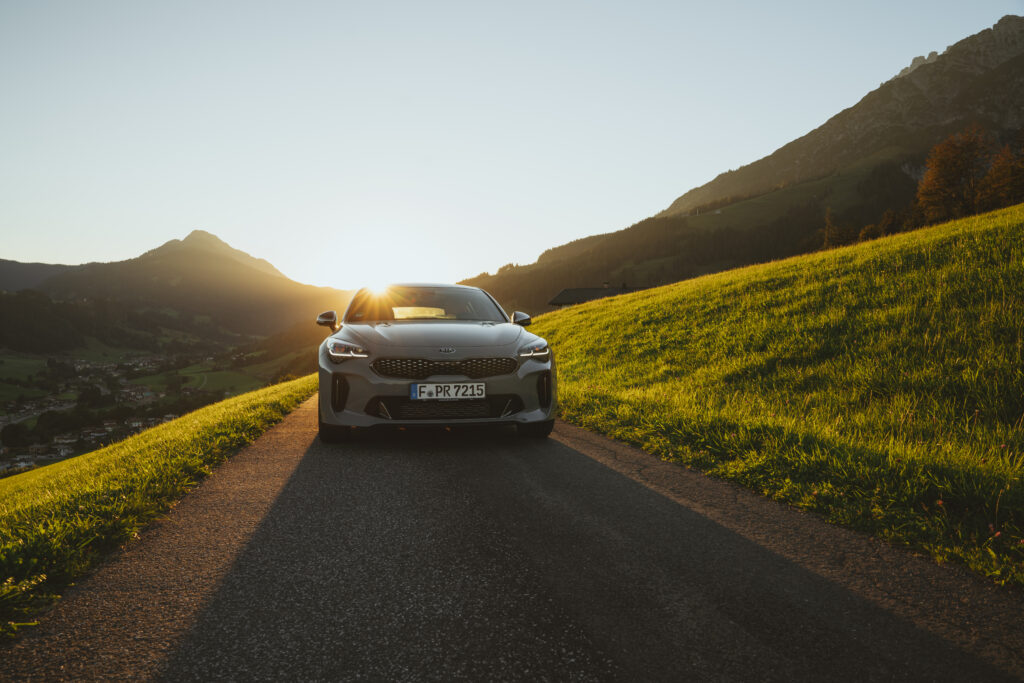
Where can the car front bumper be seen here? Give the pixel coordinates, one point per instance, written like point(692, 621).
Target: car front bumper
point(352, 394)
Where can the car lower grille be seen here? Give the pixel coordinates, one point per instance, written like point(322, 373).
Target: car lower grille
point(401, 408)
point(421, 368)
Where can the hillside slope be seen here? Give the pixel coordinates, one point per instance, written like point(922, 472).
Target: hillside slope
point(859, 164)
point(980, 79)
point(200, 276)
point(16, 276)
point(206, 242)
point(881, 385)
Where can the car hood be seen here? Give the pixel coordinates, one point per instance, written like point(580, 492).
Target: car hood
point(457, 334)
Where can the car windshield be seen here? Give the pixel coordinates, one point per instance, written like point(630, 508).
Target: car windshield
point(423, 303)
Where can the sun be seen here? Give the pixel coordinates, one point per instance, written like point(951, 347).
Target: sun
point(376, 286)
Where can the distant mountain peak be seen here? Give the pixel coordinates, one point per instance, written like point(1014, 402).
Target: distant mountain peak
point(983, 50)
point(201, 240)
point(918, 61)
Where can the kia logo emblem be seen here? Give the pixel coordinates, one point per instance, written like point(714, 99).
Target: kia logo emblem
point(447, 349)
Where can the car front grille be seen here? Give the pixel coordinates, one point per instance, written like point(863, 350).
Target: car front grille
point(402, 408)
point(421, 368)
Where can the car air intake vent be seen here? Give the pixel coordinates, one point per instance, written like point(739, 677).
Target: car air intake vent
point(339, 392)
point(421, 368)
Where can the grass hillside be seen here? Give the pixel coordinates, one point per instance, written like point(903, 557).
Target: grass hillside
point(880, 385)
point(56, 521)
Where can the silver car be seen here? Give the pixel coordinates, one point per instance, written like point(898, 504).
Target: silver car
point(416, 354)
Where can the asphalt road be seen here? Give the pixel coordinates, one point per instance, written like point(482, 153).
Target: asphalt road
point(480, 556)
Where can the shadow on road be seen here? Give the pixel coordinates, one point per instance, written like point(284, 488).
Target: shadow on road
point(482, 556)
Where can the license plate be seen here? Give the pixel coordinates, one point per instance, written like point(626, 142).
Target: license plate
point(447, 391)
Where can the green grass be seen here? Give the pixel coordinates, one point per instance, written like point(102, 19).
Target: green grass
point(268, 369)
point(10, 392)
point(20, 365)
point(156, 382)
point(223, 380)
point(201, 376)
point(97, 351)
point(56, 521)
point(880, 385)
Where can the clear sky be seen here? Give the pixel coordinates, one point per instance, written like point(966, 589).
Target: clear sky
point(355, 142)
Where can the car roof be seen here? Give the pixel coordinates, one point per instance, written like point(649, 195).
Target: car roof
point(430, 284)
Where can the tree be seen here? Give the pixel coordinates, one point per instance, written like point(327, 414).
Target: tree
point(1003, 185)
point(869, 232)
point(953, 172)
point(835, 235)
point(91, 396)
point(15, 434)
point(174, 383)
point(891, 222)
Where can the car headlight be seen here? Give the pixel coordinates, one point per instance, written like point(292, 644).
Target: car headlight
point(340, 351)
point(538, 350)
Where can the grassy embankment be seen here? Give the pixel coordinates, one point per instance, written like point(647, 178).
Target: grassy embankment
point(56, 521)
point(880, 385)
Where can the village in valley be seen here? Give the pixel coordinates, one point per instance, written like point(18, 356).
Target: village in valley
point(52, 409)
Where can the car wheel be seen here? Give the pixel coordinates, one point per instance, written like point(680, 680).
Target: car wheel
point(536, 430)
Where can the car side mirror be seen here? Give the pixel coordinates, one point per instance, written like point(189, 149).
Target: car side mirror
point(520, 318)
point(328, 319)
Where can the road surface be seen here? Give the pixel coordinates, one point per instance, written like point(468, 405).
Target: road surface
point(481, 556)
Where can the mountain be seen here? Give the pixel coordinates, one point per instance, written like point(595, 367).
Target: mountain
point(979, 80)
point(862, 162)
point(176, 328)
point(198, 292)
point(15, 276)
point(200, 276)
point(200, 240)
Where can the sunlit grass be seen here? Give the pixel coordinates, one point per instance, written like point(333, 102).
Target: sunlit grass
point(880, 385)
point(55, 521)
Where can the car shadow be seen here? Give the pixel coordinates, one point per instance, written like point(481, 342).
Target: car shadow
point(432, 554)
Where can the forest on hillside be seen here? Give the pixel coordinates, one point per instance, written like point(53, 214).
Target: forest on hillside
point(34, 323)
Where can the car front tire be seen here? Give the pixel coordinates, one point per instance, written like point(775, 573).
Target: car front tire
point(536, 430)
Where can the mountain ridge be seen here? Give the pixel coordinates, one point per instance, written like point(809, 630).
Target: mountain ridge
point(860, 164)
point(201, 240)
point(198, 277)
point(18, 275)
point(912, 101)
